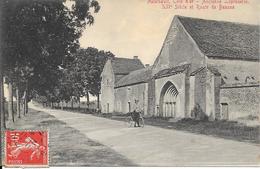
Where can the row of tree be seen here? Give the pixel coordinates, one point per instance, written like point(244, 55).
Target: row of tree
point(40, 55)
point(79, 79)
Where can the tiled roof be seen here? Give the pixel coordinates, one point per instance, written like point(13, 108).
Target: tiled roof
point(125, 65)
point(135, 77)
point(211, 69)
point(172, 71)
point(238, 85)
point(224, 39)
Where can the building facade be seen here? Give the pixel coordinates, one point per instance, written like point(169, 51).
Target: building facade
point(205, 63)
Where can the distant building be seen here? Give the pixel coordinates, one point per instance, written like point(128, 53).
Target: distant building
point(113, 71)
point(213, 64)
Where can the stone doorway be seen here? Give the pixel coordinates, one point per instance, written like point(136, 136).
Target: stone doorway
point(168, 97)
point(224, 111)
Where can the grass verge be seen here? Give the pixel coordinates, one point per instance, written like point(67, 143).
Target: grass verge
point(67, 146)
point(224, 129)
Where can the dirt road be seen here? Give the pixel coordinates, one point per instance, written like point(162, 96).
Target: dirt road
point(152, 146)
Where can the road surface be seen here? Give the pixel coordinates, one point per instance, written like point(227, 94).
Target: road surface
point(153, 146)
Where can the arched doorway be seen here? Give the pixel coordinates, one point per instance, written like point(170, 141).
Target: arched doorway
point(168, 99)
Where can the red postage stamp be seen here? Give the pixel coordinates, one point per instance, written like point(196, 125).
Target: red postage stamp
point(26, 148)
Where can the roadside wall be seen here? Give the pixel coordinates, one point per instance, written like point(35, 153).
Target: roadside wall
point(241, 101)
point(128, 95)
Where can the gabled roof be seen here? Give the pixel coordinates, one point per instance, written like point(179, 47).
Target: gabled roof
point(222, 39)
point(172, 71)
point(123, 66)
point(135, 77)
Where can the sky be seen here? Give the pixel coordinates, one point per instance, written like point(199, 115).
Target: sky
point(137, 27)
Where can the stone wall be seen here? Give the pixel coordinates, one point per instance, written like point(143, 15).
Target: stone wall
point(200, 89)
point(178, 81)
point(151, 97)
point(128, 95)
point(217, 84)
point(191, 95)
point(236, 71)
point(213, 83)
point(178, 48)
point(204, 90)
point(107, 99)
point(210, 99)
point(107, 89)
point(187, 96)
point(241, 101)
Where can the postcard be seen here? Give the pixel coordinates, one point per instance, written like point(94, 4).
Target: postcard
point(130, 83)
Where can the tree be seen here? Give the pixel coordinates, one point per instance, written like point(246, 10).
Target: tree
point(40, 37)
point(2, 100)
point(87, 68)
point(95, 73)
point(2, 113)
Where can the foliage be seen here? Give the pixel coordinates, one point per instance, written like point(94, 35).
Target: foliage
point(86, 69)
point(81, 78)
point(40, 37)
point(198, 113)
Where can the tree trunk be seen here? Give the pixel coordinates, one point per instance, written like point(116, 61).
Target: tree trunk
point(26, 105)
point(26, 98)
point(61, 105)
point(79, 103)
point(71, 102)
point(98, 101)
point(21, 107)
point(87, 100)
point(18, 102)
point(24, 93)
point(10, 102)
point(25, 108)
point(2, 103)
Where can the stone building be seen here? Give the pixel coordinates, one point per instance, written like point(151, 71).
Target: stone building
point(213, 64)
point(113, 71)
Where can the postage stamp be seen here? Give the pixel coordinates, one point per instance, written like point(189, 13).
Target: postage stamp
point(26, 148)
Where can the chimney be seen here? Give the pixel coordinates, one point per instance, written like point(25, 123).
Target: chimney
point(147, 65)
point(135, 57)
